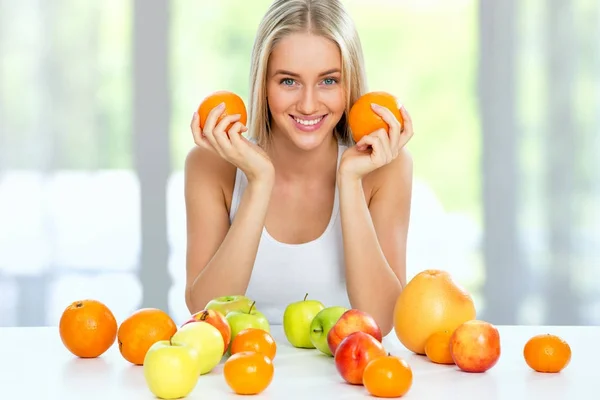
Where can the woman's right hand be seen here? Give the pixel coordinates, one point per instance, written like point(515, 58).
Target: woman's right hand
point(231, 145)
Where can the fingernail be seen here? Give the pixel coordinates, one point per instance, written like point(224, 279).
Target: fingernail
point(222, 105)
point(375, 106)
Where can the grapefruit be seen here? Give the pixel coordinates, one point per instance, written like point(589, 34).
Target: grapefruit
point(431, 302)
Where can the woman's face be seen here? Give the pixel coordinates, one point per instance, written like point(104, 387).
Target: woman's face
point(304, 91)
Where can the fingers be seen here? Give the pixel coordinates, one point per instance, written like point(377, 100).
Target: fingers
point(381, 153)
point(407, 132)
point(393, 124)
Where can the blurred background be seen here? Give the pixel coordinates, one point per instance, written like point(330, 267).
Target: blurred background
point(95, 104)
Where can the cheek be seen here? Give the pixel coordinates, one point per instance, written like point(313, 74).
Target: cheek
point(336, 100)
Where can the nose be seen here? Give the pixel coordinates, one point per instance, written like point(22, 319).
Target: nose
point(308, 102)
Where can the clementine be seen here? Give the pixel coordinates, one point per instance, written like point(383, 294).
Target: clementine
point(233, 105)
point(388, 376)
point(547, 353)
point(431, 302)
point(87, 328)
point(362, 120)
point(141, 330)
point(253, 339)
point(248, 372)
point(437, 348)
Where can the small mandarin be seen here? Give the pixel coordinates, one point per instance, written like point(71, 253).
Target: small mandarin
point(437, 348)
point(388, 376)
point(248, 372)
point(254, 339)
point(547, 353)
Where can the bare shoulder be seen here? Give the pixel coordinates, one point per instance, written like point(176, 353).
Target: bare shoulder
point(206, 172)
point(393, 179)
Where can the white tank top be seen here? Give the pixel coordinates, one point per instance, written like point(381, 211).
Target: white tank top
point(283, 273)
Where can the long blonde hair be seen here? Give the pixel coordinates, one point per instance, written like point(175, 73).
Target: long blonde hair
point(327, 18)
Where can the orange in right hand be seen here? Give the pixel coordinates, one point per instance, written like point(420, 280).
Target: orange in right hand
point(254, 339)
point(388, 376)
point(248, 372)
point(362, 120)
point(233, 105)
point(547, 353)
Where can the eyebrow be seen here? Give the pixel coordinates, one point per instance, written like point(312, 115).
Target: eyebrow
point(284, 72)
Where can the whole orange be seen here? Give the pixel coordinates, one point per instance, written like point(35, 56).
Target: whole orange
point(141, 330)
point(233, 105)
point(431, 302)
point(388, 376)
point(253, 339)
point(248, 372)
point(362, 120)
point(547, 353)
point(437, 348)
point(87, 328)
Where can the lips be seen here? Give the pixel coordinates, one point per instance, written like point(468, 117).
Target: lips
point(309, 121)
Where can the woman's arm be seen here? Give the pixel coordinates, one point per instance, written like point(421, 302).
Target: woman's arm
point(374, 236)
point(219, 257)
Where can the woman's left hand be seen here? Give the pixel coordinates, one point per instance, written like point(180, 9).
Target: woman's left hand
point(379, 148)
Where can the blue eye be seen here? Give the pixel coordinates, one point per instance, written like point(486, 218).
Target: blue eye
point(287, 81)
point(329, 81)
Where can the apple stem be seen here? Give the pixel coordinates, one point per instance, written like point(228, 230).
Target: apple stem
point(251, 305)
point(305, 296)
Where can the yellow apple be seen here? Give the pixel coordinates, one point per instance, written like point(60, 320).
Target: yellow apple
point(206, 339)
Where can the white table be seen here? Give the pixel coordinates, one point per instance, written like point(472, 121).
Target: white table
point(35, 365)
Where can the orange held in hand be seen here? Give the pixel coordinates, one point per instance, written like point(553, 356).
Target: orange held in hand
point(87, 328)
point(547, 353)
point(141, 330)
point(248, 372)
point(388, 376)
point(233, 105)
point(362, 120)
point(254, 339)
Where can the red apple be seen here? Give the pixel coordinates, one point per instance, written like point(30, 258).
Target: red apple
point(216, 319)
point(354, 354)
point(352, 321)
point(475, 346)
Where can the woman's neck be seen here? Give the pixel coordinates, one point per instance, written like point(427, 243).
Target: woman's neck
point(292, 163)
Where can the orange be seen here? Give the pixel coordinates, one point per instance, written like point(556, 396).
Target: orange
point(233, 105)
point(431, 302)
point(437, 348)
point(248, 372)
point(362, 120)
point(253, 339)
point(141, 330)
point(547, 353)
point(87, 328)
point(388, 376)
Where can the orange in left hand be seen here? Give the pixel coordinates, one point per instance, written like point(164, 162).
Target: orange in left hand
point(362, 120)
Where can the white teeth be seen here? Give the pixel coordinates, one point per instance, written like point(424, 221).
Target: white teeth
point(308, 122)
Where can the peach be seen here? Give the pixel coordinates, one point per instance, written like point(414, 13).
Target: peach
point(354, 353)
point(475, 346)
point(352, 321)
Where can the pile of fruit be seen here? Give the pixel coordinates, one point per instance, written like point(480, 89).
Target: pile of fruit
point(433, 317)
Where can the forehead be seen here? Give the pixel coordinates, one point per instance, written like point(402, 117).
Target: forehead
point(305, 54)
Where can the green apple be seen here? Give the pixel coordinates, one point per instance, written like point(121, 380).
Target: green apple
point(171, 369)
point(242, 319)
point(297, 318)
point(226, 304)
point(206, 339)
point(322, 324)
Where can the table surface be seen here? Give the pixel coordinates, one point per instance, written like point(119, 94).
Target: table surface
point(35, 365)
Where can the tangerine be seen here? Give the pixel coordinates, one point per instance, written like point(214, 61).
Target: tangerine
point(141, 330)
point(254, 339)
point(248, 372)
point(87, 328)
point(362, 120)
point(388, 376)
point(437, 348)
point(233, 105)
point(547, 353)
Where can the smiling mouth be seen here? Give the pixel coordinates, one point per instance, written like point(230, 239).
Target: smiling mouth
point(308, 122)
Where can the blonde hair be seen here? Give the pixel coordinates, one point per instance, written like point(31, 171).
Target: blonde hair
point(326, 18)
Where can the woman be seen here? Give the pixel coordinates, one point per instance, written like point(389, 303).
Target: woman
point(299, 208)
